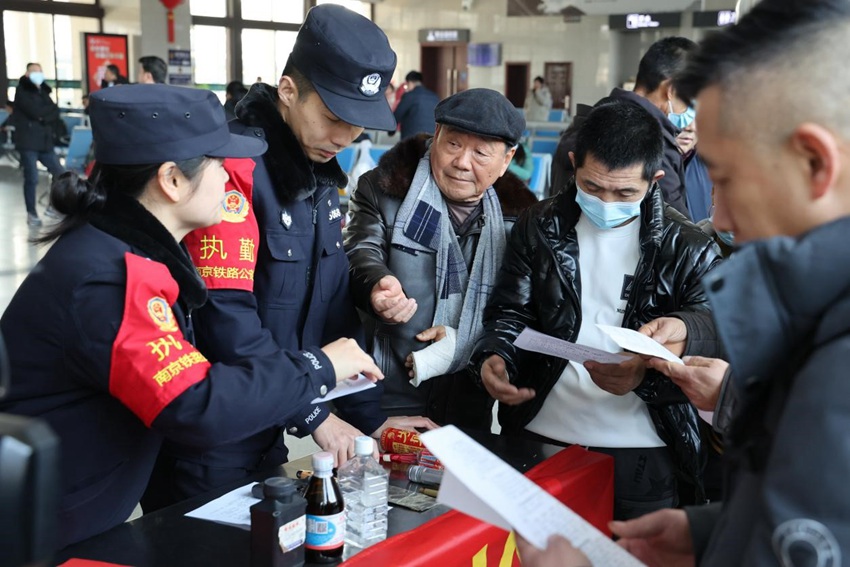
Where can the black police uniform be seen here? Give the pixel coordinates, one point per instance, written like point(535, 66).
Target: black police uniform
point(298, 296)
point(99, 334)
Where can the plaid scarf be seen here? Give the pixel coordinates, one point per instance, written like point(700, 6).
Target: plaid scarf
point(423, 224)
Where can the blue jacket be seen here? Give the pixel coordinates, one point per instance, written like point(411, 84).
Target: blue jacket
point(299, 296)
point(415, 112)
point(782, 310)
point(99, 340)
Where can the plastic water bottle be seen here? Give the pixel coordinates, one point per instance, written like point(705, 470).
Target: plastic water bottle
point(364, 484)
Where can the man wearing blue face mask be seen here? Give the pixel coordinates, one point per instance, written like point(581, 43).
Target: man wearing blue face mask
point(606, 250)
point(653, 92)
point(34, 117)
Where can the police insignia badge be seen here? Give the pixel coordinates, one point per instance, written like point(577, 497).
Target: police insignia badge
point(371, 84)
point(235, 206)
point(285, 219)
point(161, 313)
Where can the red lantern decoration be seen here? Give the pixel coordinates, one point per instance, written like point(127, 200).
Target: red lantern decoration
point(170, 5)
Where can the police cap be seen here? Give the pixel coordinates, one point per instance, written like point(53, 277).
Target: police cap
point(149, 124)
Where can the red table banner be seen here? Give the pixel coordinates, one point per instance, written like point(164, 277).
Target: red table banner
point(580, 479)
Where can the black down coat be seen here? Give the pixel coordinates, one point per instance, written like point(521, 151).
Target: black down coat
point(34, 116)
point(540, 286)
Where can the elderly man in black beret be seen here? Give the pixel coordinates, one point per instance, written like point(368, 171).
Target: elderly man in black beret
point(425, 240)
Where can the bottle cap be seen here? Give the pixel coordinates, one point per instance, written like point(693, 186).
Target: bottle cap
point(363, 445)
point(278, 487)
point(323, 462)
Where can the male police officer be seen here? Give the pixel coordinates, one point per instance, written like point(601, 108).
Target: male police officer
point(286, 218)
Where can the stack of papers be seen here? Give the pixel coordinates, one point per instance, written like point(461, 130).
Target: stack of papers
point(480, 484)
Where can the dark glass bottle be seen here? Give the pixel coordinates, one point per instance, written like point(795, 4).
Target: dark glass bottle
point(325, 513)
point(278, 526)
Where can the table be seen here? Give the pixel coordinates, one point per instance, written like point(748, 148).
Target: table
point(167, 538)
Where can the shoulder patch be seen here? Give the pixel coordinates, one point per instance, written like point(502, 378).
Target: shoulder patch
point(803, 541)
point(152, 363)
point(235, 207)
point(225, 254)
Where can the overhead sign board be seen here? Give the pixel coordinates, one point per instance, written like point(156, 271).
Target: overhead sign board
point(715, 18)
point(444, 35)
point(644, 21)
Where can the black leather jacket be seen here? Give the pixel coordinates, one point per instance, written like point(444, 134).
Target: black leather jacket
point(540, 286)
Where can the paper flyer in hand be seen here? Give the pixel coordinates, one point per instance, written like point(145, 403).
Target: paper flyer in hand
point(346, 388)
point(532, 340)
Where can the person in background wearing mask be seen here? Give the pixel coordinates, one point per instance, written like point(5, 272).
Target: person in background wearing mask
point(653, 92)
point(152, 70)
point(34, 116)
point(698, 185)
point(606, 250)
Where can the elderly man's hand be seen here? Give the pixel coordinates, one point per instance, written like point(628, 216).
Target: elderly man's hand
point(494, 376)
point(558, 553)
point(390, 303)
point(669, 331)
point(618, 379)
point(699, 378)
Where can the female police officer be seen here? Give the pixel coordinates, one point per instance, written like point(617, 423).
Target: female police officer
point(99, 334)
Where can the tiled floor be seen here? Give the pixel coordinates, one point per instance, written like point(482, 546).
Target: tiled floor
point(17, 255)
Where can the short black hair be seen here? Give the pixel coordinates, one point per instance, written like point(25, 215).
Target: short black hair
point(766, 34)
point(304, 85)
point(30, 64)
point(155, 66)
point(620, 134)
point(413, 77)
point(539, 78)
point(236, 89)
point(662, 61)
point(114, 70)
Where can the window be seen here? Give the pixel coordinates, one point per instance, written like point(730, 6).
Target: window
point(210, 59)
point(363, 8)
point(266, 68)
point(212, 8)
point(291, 12)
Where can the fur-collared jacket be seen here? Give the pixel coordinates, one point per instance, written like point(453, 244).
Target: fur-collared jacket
point(299, 298)
point(373, 208)
point(34, 116)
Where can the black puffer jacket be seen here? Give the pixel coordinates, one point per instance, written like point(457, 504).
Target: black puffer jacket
point(34, 116)
point(540, 286)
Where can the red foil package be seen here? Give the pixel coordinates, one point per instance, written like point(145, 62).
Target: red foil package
point(400, 441)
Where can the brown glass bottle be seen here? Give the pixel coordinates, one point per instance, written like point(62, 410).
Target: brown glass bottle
point(325, 513)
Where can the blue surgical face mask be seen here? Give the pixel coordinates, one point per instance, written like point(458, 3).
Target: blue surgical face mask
point(681, 120)
point(37, 77)
point(606, 215)
point(727, 237)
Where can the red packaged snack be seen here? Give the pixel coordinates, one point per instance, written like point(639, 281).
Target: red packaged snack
point(400, 441)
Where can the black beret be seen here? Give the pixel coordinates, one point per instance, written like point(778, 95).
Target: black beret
point(484, 112)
